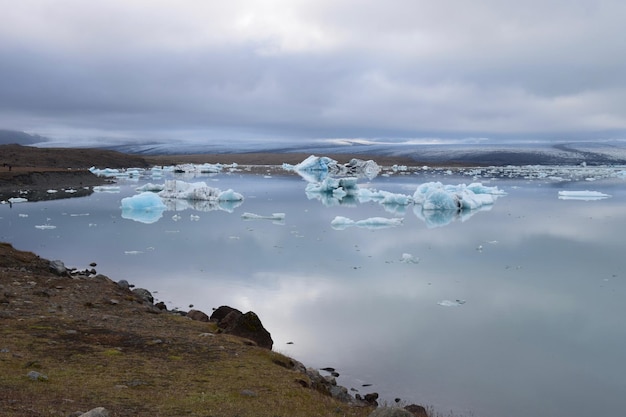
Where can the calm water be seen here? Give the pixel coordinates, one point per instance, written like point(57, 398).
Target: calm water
point(541, 331)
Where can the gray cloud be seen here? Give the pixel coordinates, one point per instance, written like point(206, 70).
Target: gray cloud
point(289, 69)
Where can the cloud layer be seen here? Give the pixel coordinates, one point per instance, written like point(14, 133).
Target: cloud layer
point(288, 69)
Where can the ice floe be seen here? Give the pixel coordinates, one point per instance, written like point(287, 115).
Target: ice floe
point(175, 189)
point(582, 195)
point(341, 223)
point(45, 227)
point(277, 217)
point(317, 168)
point(145, 207)
point(106, 189)
point(451, 303)
point(407, 258)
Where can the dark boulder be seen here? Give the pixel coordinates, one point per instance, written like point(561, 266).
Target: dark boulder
point(417, 410)
point(222, 312)
point(197, 315)
point(249, 325)
point(144, 295)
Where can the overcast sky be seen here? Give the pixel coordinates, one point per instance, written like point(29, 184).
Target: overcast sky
point(299, 69)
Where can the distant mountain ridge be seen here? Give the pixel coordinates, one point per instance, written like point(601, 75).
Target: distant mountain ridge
point(8, 137)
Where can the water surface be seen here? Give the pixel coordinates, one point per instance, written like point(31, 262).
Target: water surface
point(539, 330)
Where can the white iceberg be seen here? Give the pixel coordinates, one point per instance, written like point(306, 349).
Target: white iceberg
point(106, 189)
point(199, 168)
point(13, 200)
point(146, 207)
point(582, 195)
point(175, 189)
point(276, 217)
point(407, 258)
point(450, 303)
point(151, 187)
point(436, 196)
point(316, 168)
point(341, 223)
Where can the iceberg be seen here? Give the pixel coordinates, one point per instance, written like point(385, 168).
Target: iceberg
point(13, 200)
point(106, 189)
point(407, 258)
point(145, 207)
point(341, 223)
point(276, 217)
point(175, 189)
point(436, 196)
point(582, 195)
point(150, 187)
point(316, 168)
point(199, 168)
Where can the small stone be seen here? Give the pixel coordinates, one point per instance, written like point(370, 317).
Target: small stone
point(97, 412)
point(37, 376)
point(248, 393)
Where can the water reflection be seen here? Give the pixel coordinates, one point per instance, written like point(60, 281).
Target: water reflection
point(542, 280)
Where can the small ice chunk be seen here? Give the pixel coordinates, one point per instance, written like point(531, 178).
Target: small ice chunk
point(407, 258)
point(52, 191)
point(106, 189)
point(450, 303)
point(273, 216)
point(582, 195)
point(151, 187)
point(14, 200)
point(45, 227)
point(146, 207)
point(340, 223)
point(23, 215)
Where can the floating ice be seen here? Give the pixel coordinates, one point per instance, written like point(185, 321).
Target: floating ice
point(274, 216)
point(582, 195)
point(146, 207)
point(407, 258)
point(340, 223)
point(23, 215)
point(106, 189)
point(52, 191)
point(14, 200)
point(113, 172)
point(199, 168)
point(150, 187)
point(70, 191)
point(45, 227)
point(175, 189)
point(449, 303)
point(436, 196)
point(316, 168)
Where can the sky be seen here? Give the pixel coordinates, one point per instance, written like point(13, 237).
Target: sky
point(273, 70)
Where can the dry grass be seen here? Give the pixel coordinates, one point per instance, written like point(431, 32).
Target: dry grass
point(99, 345)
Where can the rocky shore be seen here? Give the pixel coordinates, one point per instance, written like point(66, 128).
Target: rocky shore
point(74, 339)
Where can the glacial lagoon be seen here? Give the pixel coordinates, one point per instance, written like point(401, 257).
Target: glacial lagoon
point(514, 309)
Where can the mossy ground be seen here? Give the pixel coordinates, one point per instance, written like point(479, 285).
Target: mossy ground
point(101, 346)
